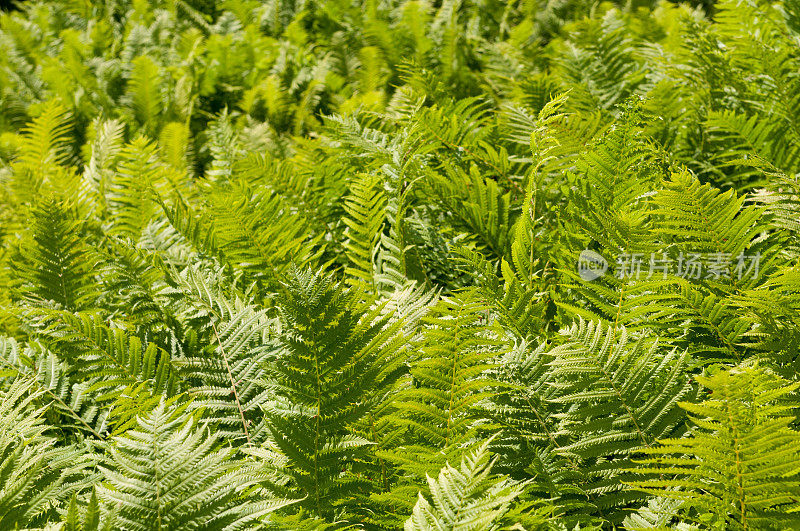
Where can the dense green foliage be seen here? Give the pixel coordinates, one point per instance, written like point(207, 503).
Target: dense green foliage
point(314, 265)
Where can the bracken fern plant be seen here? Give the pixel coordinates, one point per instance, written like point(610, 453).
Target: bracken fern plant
point(399, 264)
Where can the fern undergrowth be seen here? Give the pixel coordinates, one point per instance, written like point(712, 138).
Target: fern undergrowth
point(399, 264)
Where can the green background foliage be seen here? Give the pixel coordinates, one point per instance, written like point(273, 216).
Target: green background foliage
point(311, 264)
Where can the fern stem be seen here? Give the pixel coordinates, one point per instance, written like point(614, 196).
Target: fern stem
point(233, 383)
point(453, 381)
point(739, 473)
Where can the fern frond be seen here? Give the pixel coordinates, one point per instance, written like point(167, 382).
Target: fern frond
point(88, 518)
point(365, 210)
point(700, 219)
point(46, 140)
point(131, 192)
point(111, 362)
point(229, 367)
point(49, 377)
point(105, 149)
point(450, 374)
point(738, 467)
point(169, 474)
point(262, 234)
point(144, 93)
point(336, 361)
point(55, 264)
point(465, 498)
point(35, 473)
point(622, 398)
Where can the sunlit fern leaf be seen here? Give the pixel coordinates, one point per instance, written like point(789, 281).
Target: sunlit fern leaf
point(108, 141)
point(545, 135)
point(144, 93)
point(516, 293)
point(227, 372)
point(773, 305)
point(367, 141)
point(134, 282)
point(44, 150)
point(305, 107)
point(781, 198)
point(523, 409)
point(193, 15)
point(450, 373)
point(175, 145)
point(479, 207)
point(366, 217)
point(450, 378)
point(276, 102)
point(659, 513)
point(613, 179)
point(223, 146)
point(408, 306)
point(131, 192)
point(747, 146)
point(88, 516)
point(737, 469)
point(169, 474)
point(529, 438)
point(110, 361)
point(700, 219)
point(46, 139)
point(465, 498)
point(398, 259)
point(622, 397)
point(459, 130)
point(258, 231)
point(604, 64)
point(49, 377)
point(193, 227)
point(519, 307)
point(35, 472)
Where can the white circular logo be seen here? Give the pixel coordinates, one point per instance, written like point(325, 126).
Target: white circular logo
point(591, 265)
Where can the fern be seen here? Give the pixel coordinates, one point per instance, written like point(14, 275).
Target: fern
point(323, 251)
point(138, 175)
point(228, 368)
point(169, 474)
point(49, 376)
point(621, 399)
point(111, 363)
point(87, 518)
point(365, 221)
point(450, 374)
point(55, 264)
point(465, 498)
point(144, 93)
point(736, 469)
point(336, 357)
point(46, 141)
point(35, 472)
point(258, 231)
point(105, 149)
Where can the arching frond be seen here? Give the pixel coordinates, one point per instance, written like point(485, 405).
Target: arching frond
point(169, 474)
point(737, 468)
point(465, 498)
